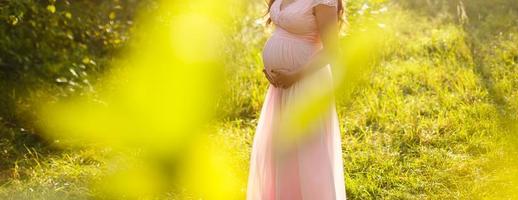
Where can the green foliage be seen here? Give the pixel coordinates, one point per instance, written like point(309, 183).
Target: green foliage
point(56, 46)
point(50, 50)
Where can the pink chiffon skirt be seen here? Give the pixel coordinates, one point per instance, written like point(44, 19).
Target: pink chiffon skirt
point(310, 168)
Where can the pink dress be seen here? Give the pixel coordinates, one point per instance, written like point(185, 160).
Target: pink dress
point(312, 167)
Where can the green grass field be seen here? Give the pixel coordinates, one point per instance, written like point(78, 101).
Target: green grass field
point(434, 119)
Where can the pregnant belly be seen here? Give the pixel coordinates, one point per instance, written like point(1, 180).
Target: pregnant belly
point(287, 53)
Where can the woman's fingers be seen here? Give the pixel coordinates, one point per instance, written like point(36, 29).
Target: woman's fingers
point(279, 77)
point(286, 85)
point(274, 77)
point(272, 80)
point(282, 77)
point(269, 78)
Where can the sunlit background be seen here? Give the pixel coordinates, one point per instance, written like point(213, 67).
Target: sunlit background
point(150, 99)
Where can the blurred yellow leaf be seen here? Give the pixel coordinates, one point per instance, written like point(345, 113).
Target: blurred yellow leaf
point(112, 15)
point(13, 20)
point(51, 8)
point(158, 101)
point(86, 60)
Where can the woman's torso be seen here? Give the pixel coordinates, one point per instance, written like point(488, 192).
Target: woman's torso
point(295, 38)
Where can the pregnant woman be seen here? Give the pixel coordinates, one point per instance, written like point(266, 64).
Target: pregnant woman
point(295, 156)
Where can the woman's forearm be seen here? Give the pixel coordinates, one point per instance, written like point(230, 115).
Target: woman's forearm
point(320, 59)
point(327, 22)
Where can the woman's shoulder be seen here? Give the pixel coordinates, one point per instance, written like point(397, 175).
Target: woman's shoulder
point(325, 2)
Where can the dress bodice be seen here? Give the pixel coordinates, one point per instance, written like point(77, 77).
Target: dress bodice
point(295, 39)
point(297, 17)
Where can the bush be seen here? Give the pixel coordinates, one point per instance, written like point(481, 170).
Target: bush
point(51, 49)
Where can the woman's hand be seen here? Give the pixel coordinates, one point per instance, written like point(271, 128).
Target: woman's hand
point(270, 79)
point(284, 78)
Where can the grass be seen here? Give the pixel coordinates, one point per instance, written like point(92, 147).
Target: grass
point(430, 122)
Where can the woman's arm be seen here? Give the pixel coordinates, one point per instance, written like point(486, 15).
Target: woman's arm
point(327, 23)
